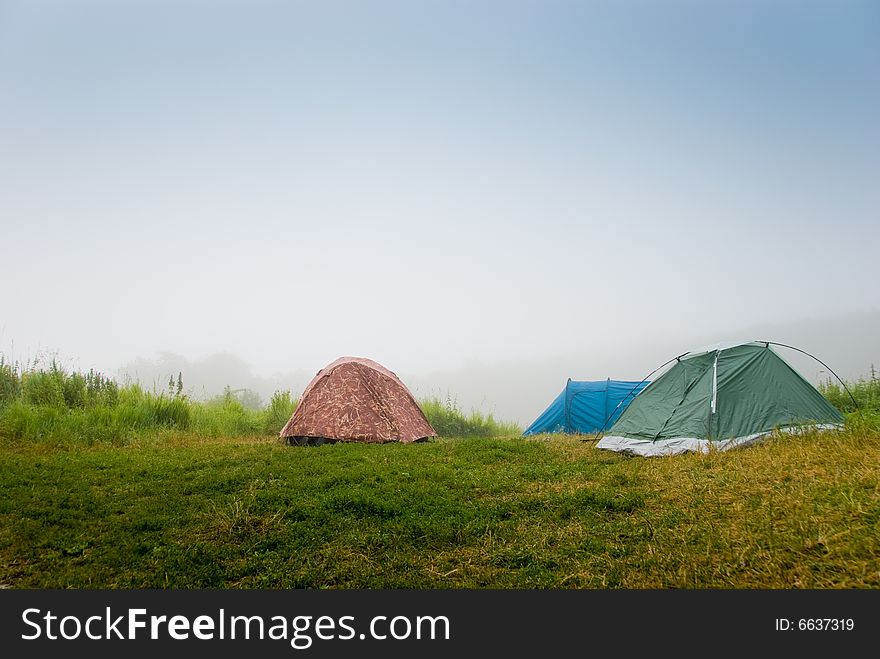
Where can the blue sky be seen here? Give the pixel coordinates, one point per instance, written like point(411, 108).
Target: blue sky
point(431, 183)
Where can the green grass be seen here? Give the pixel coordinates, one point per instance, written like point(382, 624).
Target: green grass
point(863, 394)
point(448, 420)
point(180, 510)
point(48, 405)
point(103, 485)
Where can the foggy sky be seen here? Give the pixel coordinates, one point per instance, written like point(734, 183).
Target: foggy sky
point(465, 192)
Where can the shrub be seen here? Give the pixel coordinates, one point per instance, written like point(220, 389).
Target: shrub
point(865, 391)
point(278, 412)
point(43, 388)
point(224, 416)
point(100, 389)
point(73, 389)
point(10, 383)
point(449, 421)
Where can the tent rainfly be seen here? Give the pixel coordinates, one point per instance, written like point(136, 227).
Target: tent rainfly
point(586, 407)
point(356, 400)
point(718, 399)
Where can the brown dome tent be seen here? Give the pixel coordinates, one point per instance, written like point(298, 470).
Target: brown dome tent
point(356, 400)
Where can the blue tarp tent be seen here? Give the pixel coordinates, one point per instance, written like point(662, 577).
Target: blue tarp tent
point(586, 407)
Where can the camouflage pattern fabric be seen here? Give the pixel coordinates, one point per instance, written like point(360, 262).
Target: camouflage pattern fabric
point(357, 400)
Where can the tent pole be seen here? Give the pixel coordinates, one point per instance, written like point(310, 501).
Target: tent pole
point(608, 418)
point(830, 370)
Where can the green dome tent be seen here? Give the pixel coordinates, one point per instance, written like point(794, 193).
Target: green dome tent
point(718, 399)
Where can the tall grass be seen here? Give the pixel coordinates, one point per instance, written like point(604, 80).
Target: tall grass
point(10, 382)
point(49, 404)
point(280, 409)
point(448, 420)
point(865, 391)
point(859, 401)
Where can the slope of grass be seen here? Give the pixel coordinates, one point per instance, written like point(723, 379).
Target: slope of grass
point(182, 510)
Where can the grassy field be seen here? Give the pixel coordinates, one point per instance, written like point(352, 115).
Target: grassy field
point(104, 485)
point(179, 510)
